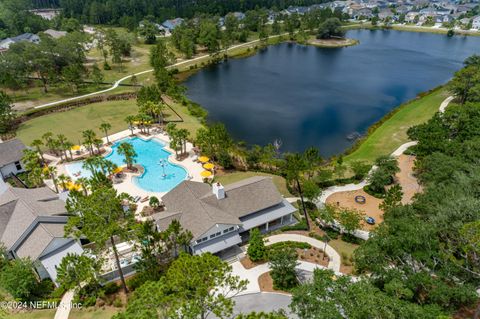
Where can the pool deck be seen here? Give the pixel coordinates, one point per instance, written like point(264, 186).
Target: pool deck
point(127, 185)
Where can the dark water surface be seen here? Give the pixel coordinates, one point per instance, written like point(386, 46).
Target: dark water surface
point(309, 96)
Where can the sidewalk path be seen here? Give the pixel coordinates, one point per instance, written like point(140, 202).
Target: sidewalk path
point(254, 273)
point(351, 187)
point(65, 305)
point(117, 83)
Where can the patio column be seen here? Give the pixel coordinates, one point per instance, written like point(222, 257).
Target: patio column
point(266, 226)
point(291, 217)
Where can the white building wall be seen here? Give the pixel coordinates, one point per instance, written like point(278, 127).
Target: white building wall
point(216, 229)
point(10, 168)
point(52, 261)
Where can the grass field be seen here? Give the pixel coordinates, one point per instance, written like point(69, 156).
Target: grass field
point(279, 181)
point(393, 132)
point(72, 123)
point(88, 313)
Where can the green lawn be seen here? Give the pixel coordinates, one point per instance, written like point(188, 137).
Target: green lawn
point(72, 123)
point(88, 313)
point(279, 181)
point(343, 247)
point(393, 132)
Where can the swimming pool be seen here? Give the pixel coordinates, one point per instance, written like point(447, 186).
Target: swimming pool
point(159, 176)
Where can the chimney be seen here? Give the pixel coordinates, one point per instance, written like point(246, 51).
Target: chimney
point(218, 190)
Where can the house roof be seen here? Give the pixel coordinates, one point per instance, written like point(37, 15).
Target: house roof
point(11, 151)
point(30, 219)
point(195, 206)
point(55, 34)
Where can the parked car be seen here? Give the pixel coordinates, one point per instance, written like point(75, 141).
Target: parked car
point(370, 220)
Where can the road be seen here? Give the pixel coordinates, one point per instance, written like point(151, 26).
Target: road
point(258, 302)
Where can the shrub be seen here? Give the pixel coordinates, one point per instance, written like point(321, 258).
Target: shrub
point(332, 234)
point(256, 248)
point(136, 281)
point(301, 225)
point(283, 265)
point(117, 303)
point(284, 245)
point(111, 288)
point(349, 238)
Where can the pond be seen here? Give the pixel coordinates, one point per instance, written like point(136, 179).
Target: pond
point(308, 96)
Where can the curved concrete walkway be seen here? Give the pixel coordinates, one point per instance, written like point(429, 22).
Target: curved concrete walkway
point(352, 187)
point(63, 310)
point(254, 273)
point(118, 82)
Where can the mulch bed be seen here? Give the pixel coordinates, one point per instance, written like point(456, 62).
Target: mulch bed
point(265, 282)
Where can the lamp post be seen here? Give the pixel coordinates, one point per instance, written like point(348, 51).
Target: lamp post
point(326, 239)
point(163, 163)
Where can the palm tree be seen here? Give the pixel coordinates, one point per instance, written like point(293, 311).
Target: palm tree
point(37, 144)
point(62, 139)
point(293, 168)
point(50, 172)
point(105, 127)
point(63, 180)
point(182, 135)
point(130, 119)
point(89, 137)
point(47, 137)
point(98, 144)
point(68, 146)
point(126, 149)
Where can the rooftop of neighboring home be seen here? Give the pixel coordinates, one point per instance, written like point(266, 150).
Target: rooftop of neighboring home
point(11, 151)
point(31, 220)
point(199, 207)
point(55, 33)
point(173, 23)
point(30, 37)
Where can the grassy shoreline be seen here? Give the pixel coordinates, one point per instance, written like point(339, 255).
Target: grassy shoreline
point(390, 132)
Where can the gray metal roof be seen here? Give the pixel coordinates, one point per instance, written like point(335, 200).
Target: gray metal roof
point(195, 206)
point(30, 219)
point(11, 151)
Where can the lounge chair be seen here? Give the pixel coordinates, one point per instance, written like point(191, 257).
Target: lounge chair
point(136, 199)
point(143, 200)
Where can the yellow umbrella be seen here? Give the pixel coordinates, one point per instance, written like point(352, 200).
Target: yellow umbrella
point(206, 174)
point(203, 159)
point(72, 186)
point(208, 166)
point(117, 170)
point(76, 148)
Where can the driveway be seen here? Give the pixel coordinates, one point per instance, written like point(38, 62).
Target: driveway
point(258, 302)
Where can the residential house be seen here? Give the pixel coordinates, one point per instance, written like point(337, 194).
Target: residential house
point(239, 15)
point(476, 22)
point(11, 153)
point(47, 14)
point(32, 225)
point(221, 217)
point(411, 16)
point(385, 13)
point(172, 24)
point(5, 43)
point(55, 33)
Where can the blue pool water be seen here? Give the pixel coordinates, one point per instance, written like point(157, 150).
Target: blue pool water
point(151, 155)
